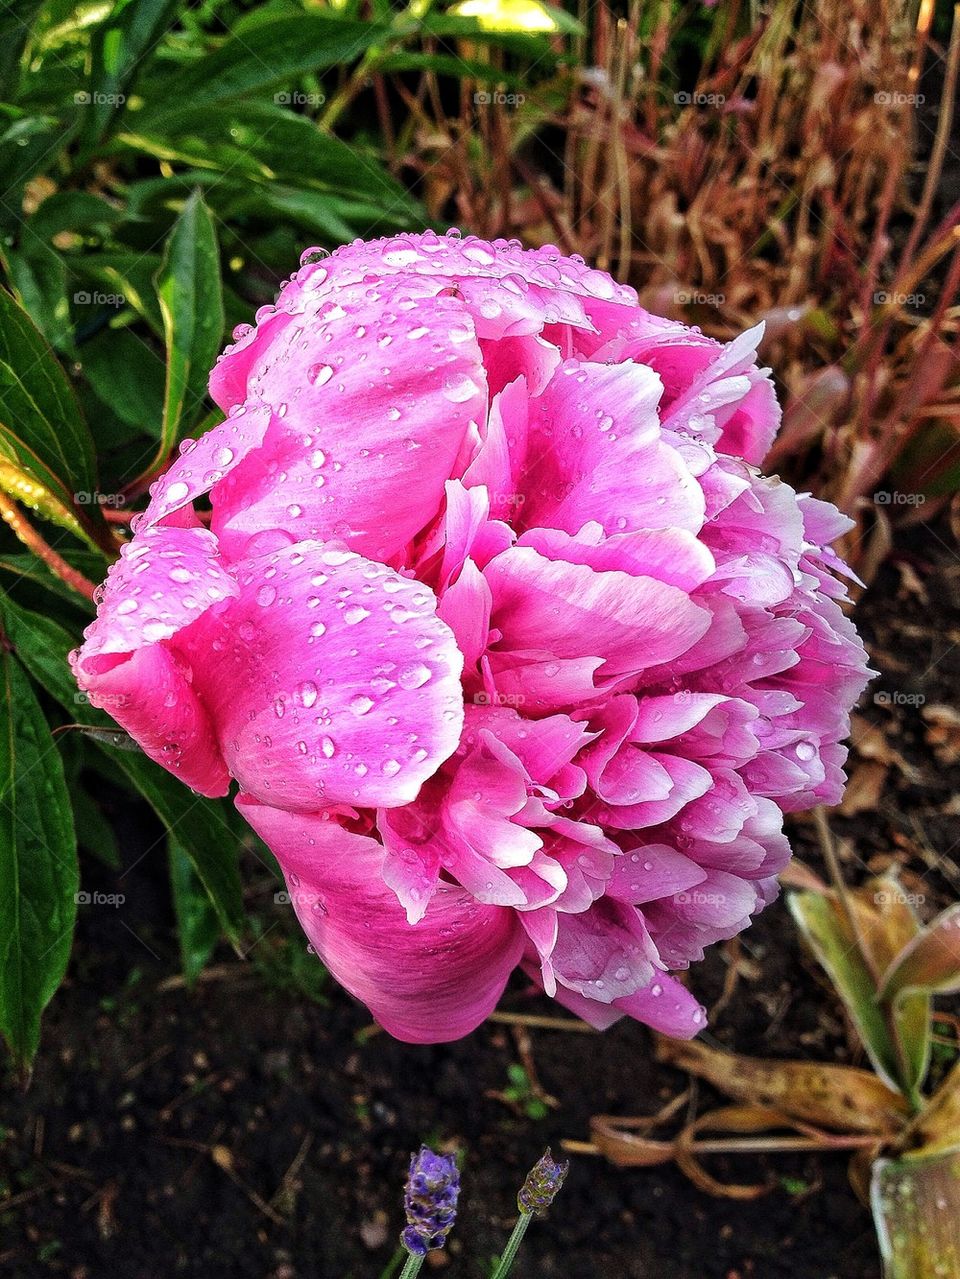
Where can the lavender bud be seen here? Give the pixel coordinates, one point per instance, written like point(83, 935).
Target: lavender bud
point(430, 1201)
point(542, 1184)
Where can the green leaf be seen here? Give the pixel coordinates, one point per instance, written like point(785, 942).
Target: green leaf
point(205, 828)
point(94, 832)
point(827, 931)
point(38, 864)
point(39, 276)
point(205, 833)
point(117, 46)
point(42, 645)
point(898, 1043)
point(197, 924)
point(130, 274)
point(72, 211)
point(268, 144)
point(29, 144)
point(127, 375)
point(191, 300)
point(280, 51)
point(16, 19)
point(24, 566)
point(43, 437)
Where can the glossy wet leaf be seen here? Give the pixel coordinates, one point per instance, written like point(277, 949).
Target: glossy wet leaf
point(280, 50)
point(191, 301)
point(42, 433)
point(197, 925)
point(38, 863)
point(205, 828)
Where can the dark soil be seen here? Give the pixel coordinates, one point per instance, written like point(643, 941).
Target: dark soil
point(243, 1130)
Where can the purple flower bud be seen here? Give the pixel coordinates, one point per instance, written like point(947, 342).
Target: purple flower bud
point(542, 1184)
point(430, 1201)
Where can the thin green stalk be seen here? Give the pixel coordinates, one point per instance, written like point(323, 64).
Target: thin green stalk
point(513, 1246)
point(412, 1267)
point(393, 1265)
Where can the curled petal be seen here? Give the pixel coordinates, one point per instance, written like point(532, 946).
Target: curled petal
point(134, 662)
point(425, 983)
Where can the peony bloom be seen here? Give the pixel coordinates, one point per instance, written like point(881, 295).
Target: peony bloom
point(515, 655)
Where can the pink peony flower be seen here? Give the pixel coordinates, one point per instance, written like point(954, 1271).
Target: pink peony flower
point(516, 656)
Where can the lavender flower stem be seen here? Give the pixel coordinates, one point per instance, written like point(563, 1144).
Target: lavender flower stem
point(513, 1246)
point(413, 1265)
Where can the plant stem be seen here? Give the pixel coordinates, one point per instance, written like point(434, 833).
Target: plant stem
point(412, 1266)
point(393, 1265)
point(513, 1245)
point(10, 513)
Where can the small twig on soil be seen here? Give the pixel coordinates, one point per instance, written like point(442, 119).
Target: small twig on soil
point(731, 955)
point(537, 1022)
point(284, 1198)
point(217, 972)
point(525, 1051)
point(223, 1158)
point(141, 1066)
point(189, 1094)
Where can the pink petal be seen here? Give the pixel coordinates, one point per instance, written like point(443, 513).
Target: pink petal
point(331, 681)
point(204, 463)
point(370, 413)
point(132, 663)
point(595, 453)
point(551, 614)
point(664, 1004)
point(674, 556)
point(652, 871)
point(425, 983)
point(604, 952)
